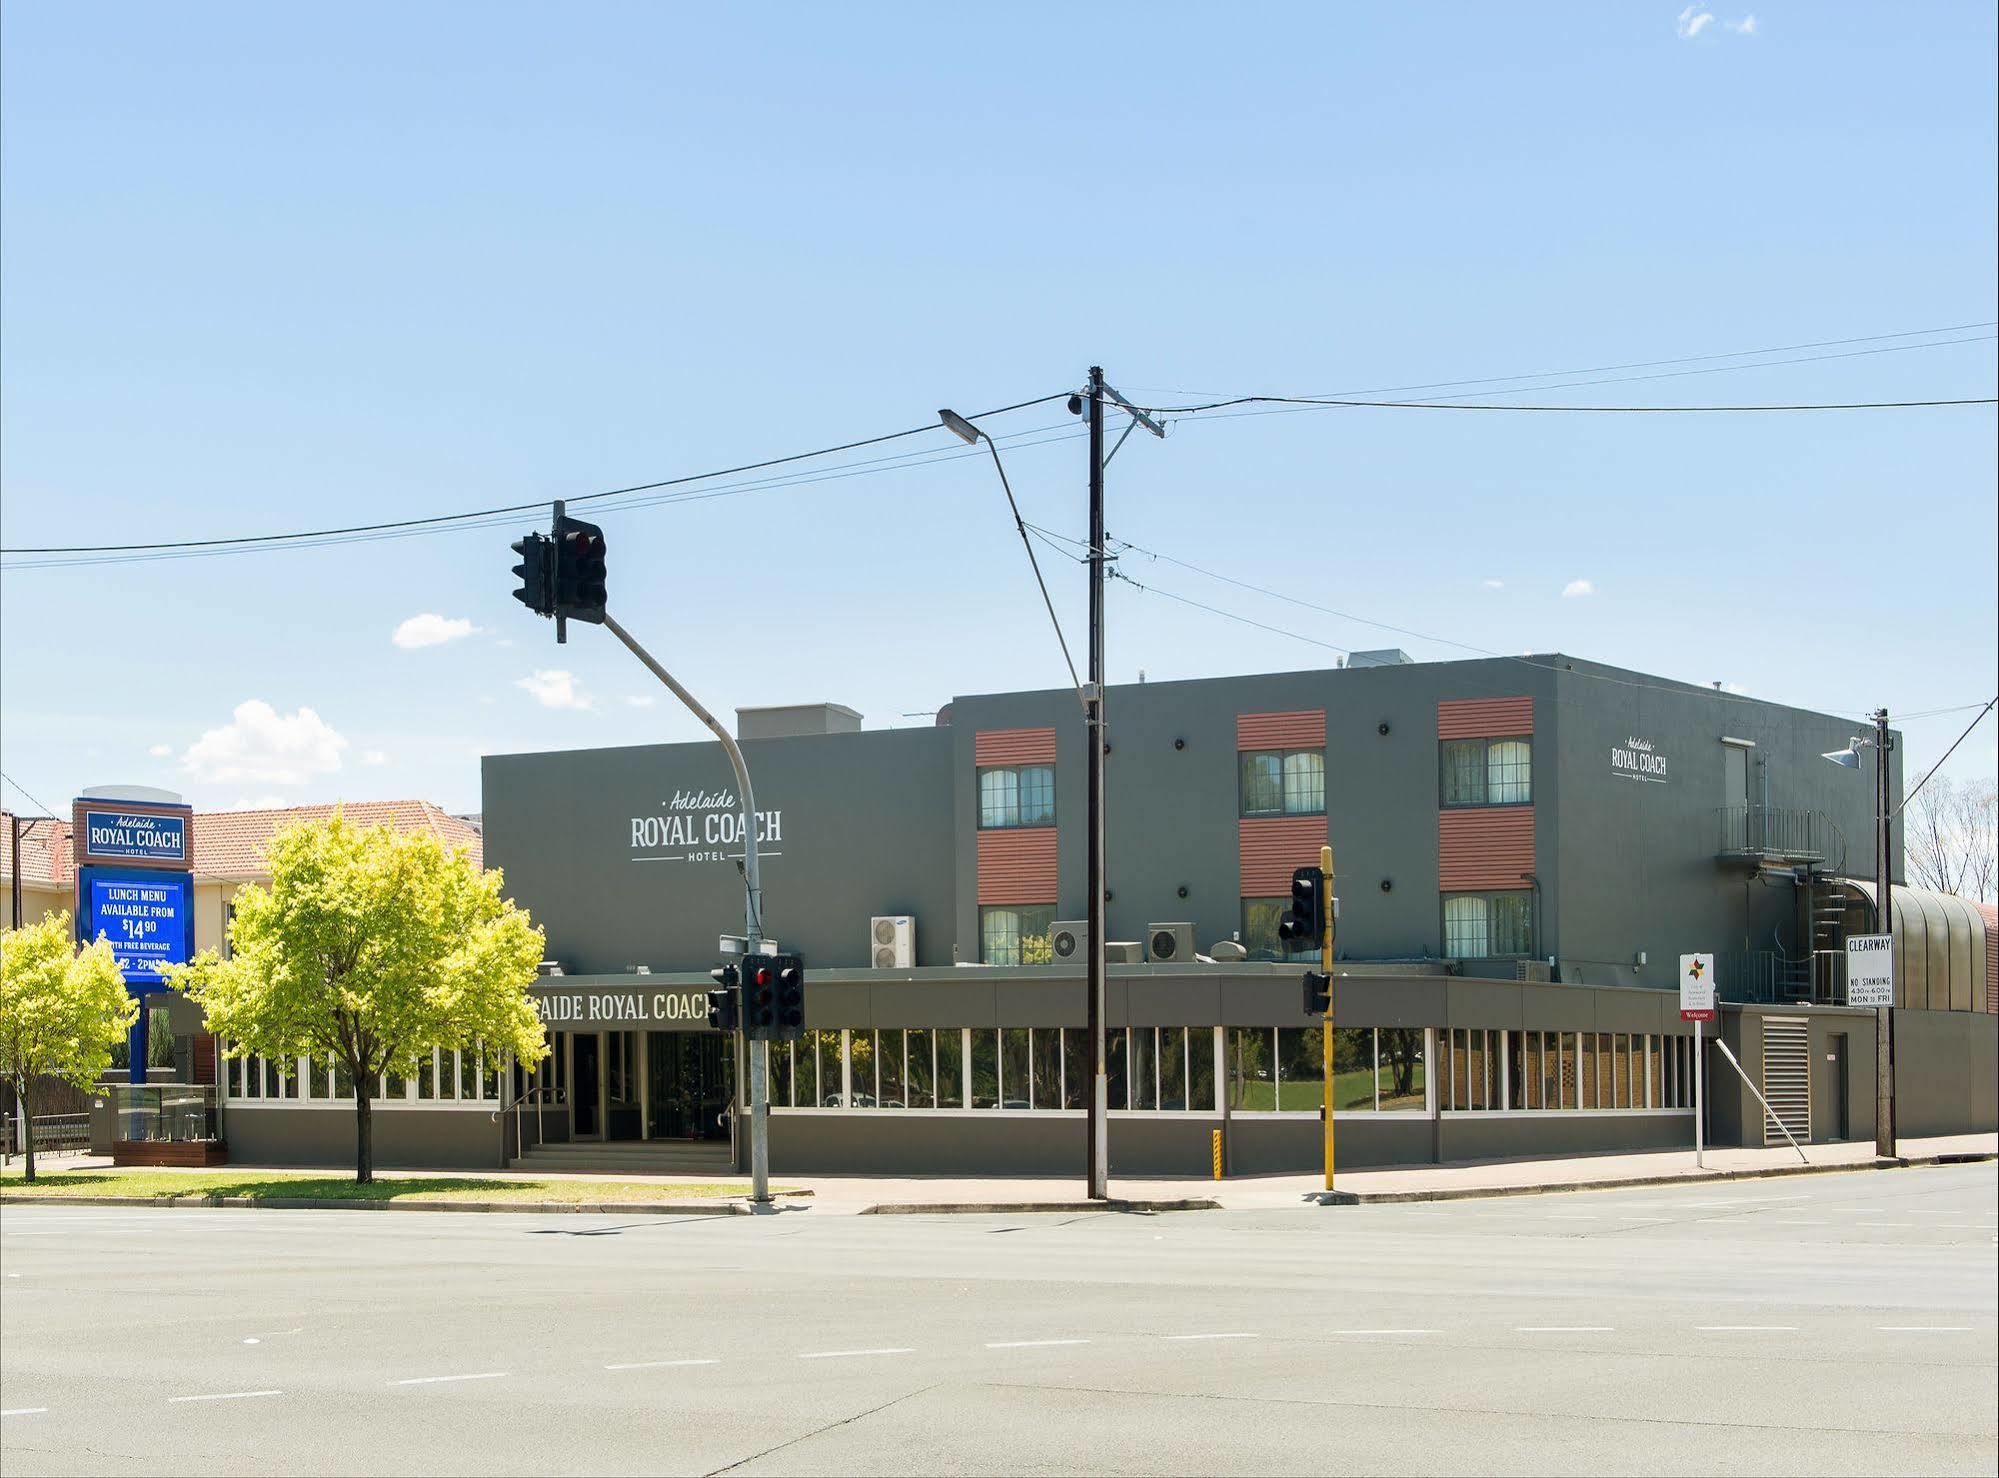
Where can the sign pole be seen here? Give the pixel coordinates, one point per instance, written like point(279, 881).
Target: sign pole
point(1696, 1008)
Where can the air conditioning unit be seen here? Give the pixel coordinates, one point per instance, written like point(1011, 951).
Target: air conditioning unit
point(1537, 971)
point(892, 942)
point(1070, 940)
point(1170, 943)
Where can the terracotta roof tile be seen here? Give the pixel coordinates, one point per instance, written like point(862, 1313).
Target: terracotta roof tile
point(45, 852)
point(230, 844)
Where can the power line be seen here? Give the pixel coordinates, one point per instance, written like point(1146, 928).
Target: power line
point(1309, 401)
point(24, 791)
point(446, 518)
point(1987, 708)
point(1667, 687)
point(1599, 369)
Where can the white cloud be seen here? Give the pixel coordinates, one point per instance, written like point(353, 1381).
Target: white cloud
point(1493, 584)
point(1736, 688)
point(1578, 587)
point(1693, 20)
point(431, 630)
point(259, 803)
point(1744, 27)
point(373, 757)
point(160, 751)
point(554, 688)
point(262, 745)
point(641, 700)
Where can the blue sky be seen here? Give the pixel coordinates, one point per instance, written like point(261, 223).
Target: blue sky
point(272, 267)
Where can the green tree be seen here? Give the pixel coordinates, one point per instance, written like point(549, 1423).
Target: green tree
point(371, 948)
point(62, 1010)
point(1037, 949)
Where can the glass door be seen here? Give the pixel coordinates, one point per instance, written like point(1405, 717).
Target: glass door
point(687, 1085)
point(586, 1085)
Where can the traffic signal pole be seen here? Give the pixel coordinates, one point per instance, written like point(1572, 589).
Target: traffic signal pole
point(1328, 905)
point(752, 908)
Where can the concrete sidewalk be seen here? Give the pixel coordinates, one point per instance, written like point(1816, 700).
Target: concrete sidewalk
point(861, 1195)
point(1415, 1182)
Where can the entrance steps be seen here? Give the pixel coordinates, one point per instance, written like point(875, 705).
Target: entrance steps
point(645, 1157)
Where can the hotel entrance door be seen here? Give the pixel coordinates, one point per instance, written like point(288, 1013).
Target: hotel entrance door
point(689, 1085)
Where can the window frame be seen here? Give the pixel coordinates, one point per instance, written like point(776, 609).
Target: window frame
point(1021, 931)
point(1244, 757)
point(1483, 771)
point(1018, 774)
point(1490, 899)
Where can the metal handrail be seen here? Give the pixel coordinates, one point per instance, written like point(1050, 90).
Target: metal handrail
point(538, 1095)
point(1754, 830)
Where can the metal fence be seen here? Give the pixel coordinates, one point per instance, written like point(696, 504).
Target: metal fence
point(1764, 977)
point(55, 1134)
point(1779, 831)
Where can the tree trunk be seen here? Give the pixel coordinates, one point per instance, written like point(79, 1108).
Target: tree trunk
point(364, 1136)
point(26, 1116)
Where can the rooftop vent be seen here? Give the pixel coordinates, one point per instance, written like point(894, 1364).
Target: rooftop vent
point(1381, 657)
point(792, 720)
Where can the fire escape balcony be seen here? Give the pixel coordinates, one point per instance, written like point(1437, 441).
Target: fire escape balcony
point(1757, 834)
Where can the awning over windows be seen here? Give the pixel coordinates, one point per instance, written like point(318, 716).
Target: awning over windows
point(1943, 946)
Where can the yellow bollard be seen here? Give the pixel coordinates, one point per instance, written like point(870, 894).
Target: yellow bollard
point(1218, 1154)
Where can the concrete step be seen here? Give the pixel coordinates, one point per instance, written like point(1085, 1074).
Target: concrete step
point(630, 1159)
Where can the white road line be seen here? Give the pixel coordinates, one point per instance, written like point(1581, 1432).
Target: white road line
point(1238, 1334)
point(24, 1411)
point(435, 1380)
point(1384, 1331)
point(1644, 1218)
point(224, 1396)
point(1030, 1344)
point(1922, 1329)
point(1802, 1222)
point(1746, 1328)
point(843, 1354)
point(658, 1364)
point(1886, 1225)
point(1569, 1216)
point(1564, 1329)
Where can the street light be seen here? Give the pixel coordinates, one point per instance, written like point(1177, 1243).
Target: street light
point(959, 427)
point(1847, 758)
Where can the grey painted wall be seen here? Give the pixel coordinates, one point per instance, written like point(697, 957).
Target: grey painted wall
point(862, 833)
point(886, 821)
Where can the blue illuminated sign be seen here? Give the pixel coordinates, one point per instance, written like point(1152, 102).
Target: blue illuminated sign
point(135, 835)
point(147, 916)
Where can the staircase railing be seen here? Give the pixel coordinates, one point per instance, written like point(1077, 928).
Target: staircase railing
point(537, 1096)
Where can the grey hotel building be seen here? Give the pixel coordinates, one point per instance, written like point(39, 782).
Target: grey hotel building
point(1524, 848)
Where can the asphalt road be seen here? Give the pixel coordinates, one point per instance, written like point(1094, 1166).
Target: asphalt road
point(1841, 1323)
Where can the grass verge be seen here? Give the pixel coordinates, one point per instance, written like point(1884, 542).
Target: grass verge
point(264, 1185)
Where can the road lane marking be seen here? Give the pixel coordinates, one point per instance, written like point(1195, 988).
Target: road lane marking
point(1384, 1331)
point(1030, 1344)
point(1644, 1218)
point(1803, 1222)
point(843, 1354)
point(1922, 1329)
point(1746, 1328)
point(24, 1411)
point(658, 1364)
point(224, 1396)
point(1886, 1225)
point(1564, 1329)
point(1236, 1334)
point(1570, 1216)
point(435, 1380)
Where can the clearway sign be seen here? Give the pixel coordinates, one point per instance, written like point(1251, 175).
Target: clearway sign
point(1697, 987)
point(1870, 970)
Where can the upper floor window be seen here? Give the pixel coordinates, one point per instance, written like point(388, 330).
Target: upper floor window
point(1283, 782)
point(1487, 772)
point(1017, 795)
point(1016, 935)
point(1478, 926)
point(1259, 932)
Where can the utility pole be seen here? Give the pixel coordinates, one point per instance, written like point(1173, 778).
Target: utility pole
point(14, 886)
point(1093, 727)
point(1884, 1016)
point(1330, 905)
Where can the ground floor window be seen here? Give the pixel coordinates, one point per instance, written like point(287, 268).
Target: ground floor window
point(449, 1076)
point(1282, 1069)
point(1016, 934)
point(1167, 1069)
point(1529, 1070)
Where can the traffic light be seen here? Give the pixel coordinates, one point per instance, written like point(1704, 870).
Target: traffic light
point(760, 997)
point(579, 570)
point(1318, 993)
point(724, 1012)
point(790, 998)
point(1306, 922)
point(536, 592)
